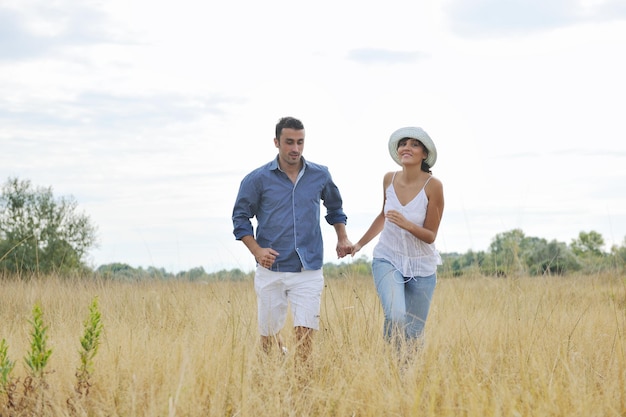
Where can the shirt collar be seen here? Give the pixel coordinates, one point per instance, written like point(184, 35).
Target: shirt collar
point(274, 164)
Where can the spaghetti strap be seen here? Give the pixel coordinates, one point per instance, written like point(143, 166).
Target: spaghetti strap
point(426, 183)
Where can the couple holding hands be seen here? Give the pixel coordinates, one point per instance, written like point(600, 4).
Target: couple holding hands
point(285, 196)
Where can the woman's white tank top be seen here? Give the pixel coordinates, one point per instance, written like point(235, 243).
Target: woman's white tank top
point(411, 256)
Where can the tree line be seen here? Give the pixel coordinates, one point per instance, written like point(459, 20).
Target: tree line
point(514, 253)
point(42, 234)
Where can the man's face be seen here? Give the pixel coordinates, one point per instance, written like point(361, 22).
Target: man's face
point(290, 146)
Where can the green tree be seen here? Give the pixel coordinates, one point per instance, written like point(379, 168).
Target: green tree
point(588, 249)
point(506, 250)
point(588, 244)
point(118, 271)
point(456, 264)
point(619, 255)
point(194, 274)
point(543, 257)
point(41, 233)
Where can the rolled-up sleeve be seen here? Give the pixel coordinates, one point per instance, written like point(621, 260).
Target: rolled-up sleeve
point(333, 203)
point(245, 208)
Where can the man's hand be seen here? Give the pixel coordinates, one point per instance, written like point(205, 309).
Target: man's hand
point(266, 257)
point(344, 247)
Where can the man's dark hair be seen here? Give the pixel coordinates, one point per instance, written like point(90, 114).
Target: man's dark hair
point(288, 123)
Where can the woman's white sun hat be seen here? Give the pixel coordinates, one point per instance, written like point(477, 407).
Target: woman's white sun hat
point(413, 133)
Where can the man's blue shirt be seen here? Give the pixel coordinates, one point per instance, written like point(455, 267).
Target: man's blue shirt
point(288, 214)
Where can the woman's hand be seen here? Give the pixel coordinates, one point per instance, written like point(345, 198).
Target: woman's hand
point(357, 247)
point(398, 219)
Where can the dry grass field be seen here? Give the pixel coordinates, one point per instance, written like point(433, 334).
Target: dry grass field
point(494, 347)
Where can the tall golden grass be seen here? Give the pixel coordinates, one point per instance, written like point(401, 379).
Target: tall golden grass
point(524, 346)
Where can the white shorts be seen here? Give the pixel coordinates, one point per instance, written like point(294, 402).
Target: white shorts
point(277, 290)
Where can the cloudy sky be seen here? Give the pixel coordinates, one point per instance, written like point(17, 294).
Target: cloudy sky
point(149, 113)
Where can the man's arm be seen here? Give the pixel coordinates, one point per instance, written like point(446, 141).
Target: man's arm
point(264, 256)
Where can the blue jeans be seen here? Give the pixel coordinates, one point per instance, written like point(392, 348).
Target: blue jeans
point(405, 300)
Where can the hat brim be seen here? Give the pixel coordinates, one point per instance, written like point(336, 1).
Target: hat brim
point(413, 133)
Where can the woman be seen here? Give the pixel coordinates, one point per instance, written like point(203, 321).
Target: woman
point(405, 259)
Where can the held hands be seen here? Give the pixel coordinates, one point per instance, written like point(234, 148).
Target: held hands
point(355, 248)
point(266, 257)
point(344, 247)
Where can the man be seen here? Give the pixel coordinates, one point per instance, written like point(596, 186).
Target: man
point(284, 196)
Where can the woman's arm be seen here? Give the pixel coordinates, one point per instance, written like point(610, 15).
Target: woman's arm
point(378, 223)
